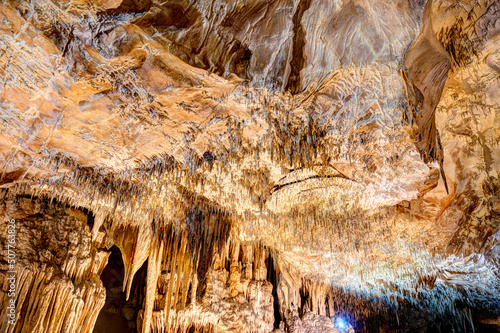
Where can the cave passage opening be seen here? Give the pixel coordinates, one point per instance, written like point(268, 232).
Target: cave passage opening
point(272, 277)
point(117, 314)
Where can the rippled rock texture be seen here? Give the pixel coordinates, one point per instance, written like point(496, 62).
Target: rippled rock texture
point(250, 166)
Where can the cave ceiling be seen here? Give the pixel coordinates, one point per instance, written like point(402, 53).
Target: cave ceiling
point(252, 165)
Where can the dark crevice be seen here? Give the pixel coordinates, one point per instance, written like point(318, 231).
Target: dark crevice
point(90, 217)
point(294, 84)
point(272, 277)
point(111, 317)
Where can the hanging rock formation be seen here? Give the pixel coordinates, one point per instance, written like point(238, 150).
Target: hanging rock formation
point(250, 166)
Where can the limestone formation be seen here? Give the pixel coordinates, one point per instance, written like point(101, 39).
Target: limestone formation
point(249, 166)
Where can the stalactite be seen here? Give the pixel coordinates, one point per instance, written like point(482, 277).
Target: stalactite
point(134, 244)
point(154, 268)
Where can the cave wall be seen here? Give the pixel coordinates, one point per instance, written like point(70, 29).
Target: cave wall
point(56, 271)
point(259, 165)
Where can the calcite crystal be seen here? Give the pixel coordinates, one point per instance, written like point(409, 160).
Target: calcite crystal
point(250, 166)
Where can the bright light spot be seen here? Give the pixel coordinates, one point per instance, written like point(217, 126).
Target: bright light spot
point(341, 323)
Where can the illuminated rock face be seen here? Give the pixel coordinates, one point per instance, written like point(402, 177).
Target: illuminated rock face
point(232, 166)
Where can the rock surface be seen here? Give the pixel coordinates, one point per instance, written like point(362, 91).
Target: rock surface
point(257, 165)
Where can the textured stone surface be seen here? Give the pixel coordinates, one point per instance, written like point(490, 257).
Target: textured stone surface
point(57, 269)
point(259, 165)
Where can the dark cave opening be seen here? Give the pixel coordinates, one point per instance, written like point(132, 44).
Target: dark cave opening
point(117, 314)
point(272, 277)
